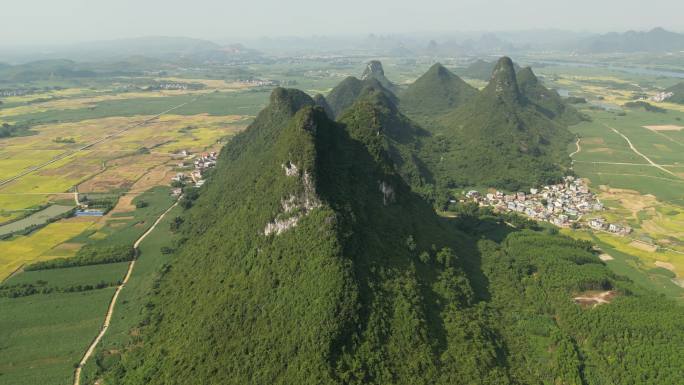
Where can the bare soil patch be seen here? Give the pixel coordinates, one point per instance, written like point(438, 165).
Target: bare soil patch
point(124, 205)
point(600, 149)
point(595, 140)
point(644, 246)
point(665, 265)
point(667, 127)
point(594, 298)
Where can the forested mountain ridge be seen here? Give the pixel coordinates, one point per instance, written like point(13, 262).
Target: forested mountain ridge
point(501, 139)
point(350, 89)
point(547, 101)
point(307, 259)
point(436, 92)
point(301, 265)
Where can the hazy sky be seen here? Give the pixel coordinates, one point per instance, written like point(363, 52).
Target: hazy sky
point(49, 21)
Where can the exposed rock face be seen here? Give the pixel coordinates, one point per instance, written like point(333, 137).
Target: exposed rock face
point(373, 68)
point(294, 207)
point(504, 83)
point(387, 192)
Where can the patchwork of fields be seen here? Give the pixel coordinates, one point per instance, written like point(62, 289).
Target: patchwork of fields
point(634, 161)
point(87, 144)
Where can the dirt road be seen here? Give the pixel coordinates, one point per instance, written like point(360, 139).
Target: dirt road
point(112, 304)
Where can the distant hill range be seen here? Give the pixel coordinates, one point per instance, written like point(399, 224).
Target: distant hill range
point(655, 40)
point(163, 48)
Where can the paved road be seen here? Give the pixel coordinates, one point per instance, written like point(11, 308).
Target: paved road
point(110, 309)
point(87, 146)
point(652, 163)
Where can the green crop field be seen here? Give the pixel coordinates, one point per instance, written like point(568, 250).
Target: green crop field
point(218, 103)
point(72, 276)
point(606, 158)
point(43, 336)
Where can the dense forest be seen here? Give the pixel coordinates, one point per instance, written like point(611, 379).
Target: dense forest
point(308, 257)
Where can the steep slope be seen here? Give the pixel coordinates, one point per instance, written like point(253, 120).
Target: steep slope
point(436, 92)
point(320, 101)
point(301, 265)
point(677, 93)
point(399, 137)
point(500, 139)
point(547, 101)
point(375, 71)
point(308, 260)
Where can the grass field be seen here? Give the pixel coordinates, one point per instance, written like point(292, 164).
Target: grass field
point(81, 275)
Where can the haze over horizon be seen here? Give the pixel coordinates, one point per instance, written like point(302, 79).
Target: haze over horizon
point(47, 22)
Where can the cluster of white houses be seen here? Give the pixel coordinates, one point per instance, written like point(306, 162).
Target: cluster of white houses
point(661, 96)
point(201, 163)
point(260, 82)
point(561, 204)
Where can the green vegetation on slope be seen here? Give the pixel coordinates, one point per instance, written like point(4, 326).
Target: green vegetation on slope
point(500, 139)
point(677, 93)
point(307, 259)
point(339, 298)
point(547, 101)
point(437, 92)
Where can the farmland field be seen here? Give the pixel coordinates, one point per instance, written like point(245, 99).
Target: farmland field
point(39, 246)
point(642, 186)
point(44, 335)
point(105, 145)
point(37, 218)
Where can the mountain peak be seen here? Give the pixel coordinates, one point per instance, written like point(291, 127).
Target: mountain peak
point(527, 76)
point(373, 68)
point(438, 91)
point(289, 100)
point(504, 83)
point(439, 70)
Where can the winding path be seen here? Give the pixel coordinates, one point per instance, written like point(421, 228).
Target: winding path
point(112, 304)
point(579, 148)
point(652, 163)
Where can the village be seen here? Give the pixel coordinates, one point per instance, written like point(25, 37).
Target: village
point(564, 205)
point(200, 164)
